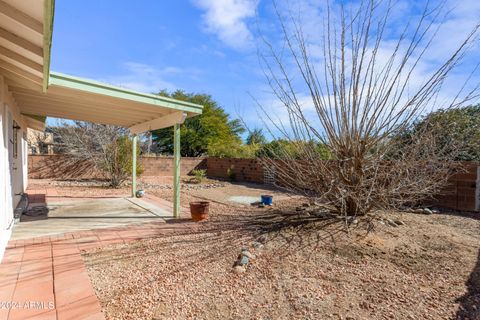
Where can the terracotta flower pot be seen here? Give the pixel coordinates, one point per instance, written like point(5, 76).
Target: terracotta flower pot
point(199, 210)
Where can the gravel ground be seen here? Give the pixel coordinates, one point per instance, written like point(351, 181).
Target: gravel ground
point(308, 268)
point(99, 188)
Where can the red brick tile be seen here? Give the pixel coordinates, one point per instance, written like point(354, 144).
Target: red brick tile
point(45, 315)
point(67, 266)
point(13, 255)
point(85, 309)
point(67, 293)
point(34, 312)
point(7, 288)
point(39, 291)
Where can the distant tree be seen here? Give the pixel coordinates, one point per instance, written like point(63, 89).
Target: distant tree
point(285, 149)
point(456, 131)
point(202, 134)
point(256, 136)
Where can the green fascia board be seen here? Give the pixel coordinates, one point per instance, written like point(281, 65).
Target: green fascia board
point(76, 83)
point(42, 119)
point(48, 14)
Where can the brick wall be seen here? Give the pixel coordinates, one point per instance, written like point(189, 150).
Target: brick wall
point(163, 166)
point(61, 167)
point(461, 194)
point(249, 170)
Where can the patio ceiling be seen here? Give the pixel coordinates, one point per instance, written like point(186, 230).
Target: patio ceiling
point(80, 99)
point(25, 41)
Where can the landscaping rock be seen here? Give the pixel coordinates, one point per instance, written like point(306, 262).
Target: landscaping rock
point(391, 223)
point(399, 222)
point(243, 261)
point(427, 211)
point(418, 210)
point(239, 269)
point(248, 254)
point(257, 245)
point(263, 238)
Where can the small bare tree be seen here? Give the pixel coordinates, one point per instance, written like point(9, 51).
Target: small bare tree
point(107, 147)
point(356, 92)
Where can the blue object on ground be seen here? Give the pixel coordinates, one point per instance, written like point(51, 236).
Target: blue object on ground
point(267, 199)
point(243, 261)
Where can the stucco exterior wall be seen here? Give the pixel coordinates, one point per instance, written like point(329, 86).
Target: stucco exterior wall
point(13, 170)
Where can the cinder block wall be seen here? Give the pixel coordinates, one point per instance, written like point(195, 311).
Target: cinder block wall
point(61, 167)
point(249, 170)
point(461, 194)
point(163, 166)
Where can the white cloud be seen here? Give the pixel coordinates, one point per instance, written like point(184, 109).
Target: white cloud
point(145, 78)
point(227, 19)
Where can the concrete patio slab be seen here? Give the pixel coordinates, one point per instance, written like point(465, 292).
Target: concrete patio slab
point(76, 215)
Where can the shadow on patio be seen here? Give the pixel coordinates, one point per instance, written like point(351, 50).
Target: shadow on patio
point(50, 215)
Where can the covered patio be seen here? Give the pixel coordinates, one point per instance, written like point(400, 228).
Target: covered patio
point(26, 31)
point(74, 98)
point(42, 274)
point(50, 213)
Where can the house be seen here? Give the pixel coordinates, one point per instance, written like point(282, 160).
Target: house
point(39, 142)
point(30, 92)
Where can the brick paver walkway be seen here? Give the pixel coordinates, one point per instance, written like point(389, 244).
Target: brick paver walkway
point(45, 277)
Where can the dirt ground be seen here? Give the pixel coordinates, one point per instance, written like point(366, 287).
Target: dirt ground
point(309, 267)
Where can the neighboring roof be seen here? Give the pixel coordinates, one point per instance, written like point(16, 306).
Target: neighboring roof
point(25, 42)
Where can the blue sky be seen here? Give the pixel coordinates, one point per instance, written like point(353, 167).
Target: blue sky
point(153, 45)
point(206, 46)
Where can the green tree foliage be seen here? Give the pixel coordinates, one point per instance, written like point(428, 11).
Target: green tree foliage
point(285, 149)
point(117, 161)
point(208, 133)
point(456, 131)
point(233, 151)
point(256, 137)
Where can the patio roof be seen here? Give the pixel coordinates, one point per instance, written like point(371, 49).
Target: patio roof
point(81, 99)
point(25, 40)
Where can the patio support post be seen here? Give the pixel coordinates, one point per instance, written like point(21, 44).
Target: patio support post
point(134, 165)
point(176, 170)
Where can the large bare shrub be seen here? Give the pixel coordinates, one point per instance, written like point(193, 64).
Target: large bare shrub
point(355, 90)
point(107, 147)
